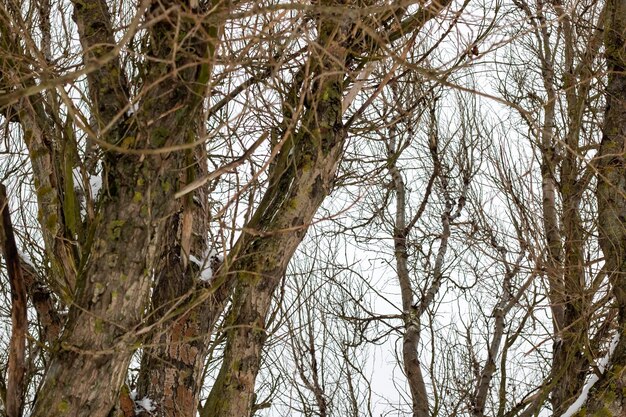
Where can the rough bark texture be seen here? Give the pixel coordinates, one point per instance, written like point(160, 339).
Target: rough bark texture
point(611, 160)
point(173, 360)
point(88, 370)
point(609, 397)
point(39, 129)
point(183, 311)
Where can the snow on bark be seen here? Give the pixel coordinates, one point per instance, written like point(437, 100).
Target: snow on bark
point(602, 365)
point(207, 264)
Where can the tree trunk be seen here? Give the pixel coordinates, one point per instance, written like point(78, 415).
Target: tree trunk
point(609, 397)
point(412, 326)
point(88, 369)
point(16, 368)
point(297, 188)
point(39, 133)
point(299, 181)
point(565, 240)
point(183, 315)
point(173, 358)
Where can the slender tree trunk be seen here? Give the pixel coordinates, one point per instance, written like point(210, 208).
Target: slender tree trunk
point(412, 327)
point(39, 131)
point(299, 181)
point(16, 369)
point(569, 363)
point(564, 235)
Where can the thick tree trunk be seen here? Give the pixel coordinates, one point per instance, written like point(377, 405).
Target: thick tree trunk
point(609, 397)
point(183, 315)
point(173, 359)
point(89, 367)
point(611, 159)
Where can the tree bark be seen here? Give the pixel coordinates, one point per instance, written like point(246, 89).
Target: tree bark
point(569, 363)
point(564, 234)
point(609, 396)
point(181, 312)
point(412, 326)
point(39, 134)
point(19, 322)
point(86, 373)
point(173, 358)
point(299, 181)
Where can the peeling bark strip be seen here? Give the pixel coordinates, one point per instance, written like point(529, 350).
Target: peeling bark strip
point(610, 396)
point(173, 360)
point(17, 346)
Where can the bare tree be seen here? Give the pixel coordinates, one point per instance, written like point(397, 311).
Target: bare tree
point(224, 208)
point(137, 126)
point(561, 116)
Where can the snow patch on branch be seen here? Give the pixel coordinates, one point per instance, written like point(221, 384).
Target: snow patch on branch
point(602, 364)
point(25, 258)
point(144, 405)
point(207, 264)
point(134, 107)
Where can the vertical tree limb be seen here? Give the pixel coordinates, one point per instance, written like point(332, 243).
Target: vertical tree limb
point(412, 328)
point(609, 396)
point(299, 181)
point(41, 138)
point(562, 189)
point(173, 359)
point(19, 324)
